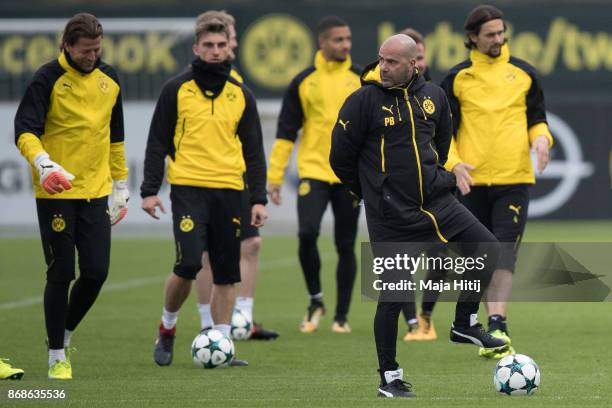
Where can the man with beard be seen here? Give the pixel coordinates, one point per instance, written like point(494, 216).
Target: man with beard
point(498, 112)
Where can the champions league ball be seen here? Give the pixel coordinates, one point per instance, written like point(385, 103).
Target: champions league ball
point(211, 349)
point(516, 375)
point(241, 326)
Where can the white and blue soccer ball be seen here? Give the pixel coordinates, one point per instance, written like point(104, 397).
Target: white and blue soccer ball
point(516, 374)
point(241, 326)
point(211, 349)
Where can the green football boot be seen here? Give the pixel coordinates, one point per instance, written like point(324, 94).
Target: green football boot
point(7, 372)
point(497, 354)
point(60, 370)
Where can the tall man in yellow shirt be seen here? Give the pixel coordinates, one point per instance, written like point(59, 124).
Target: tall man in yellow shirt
point(69, 126)
point(311, 103)
point(498, 114)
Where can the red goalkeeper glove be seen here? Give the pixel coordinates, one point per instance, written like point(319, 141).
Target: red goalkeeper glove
point(53, 177)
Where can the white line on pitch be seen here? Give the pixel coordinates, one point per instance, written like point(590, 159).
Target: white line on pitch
point(115, 287)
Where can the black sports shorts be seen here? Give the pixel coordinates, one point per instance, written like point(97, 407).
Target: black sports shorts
point(207, 218)
point(247, 230)
point(503, 210)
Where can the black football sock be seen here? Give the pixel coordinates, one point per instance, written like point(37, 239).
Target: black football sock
point(497, 322)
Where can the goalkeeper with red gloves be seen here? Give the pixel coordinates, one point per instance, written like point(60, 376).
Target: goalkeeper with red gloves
point(69, 126)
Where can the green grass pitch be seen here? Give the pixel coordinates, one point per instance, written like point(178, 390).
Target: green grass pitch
point(113, 366)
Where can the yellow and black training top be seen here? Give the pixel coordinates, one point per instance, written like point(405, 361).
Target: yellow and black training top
point(312, 102)
point(77, 118)
point(396, 136)
point(389, 146)
point(498, 111)
point(207, 123)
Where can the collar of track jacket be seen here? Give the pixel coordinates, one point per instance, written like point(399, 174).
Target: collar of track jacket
point(210, 78)
point(69, 65)
point(330, 66)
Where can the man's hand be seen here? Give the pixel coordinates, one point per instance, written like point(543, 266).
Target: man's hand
point(541, 149)
point(119, 201)
point(259, 215)
point(464, 180)
point(53, 177)
point(150, 203)
point(274, 191)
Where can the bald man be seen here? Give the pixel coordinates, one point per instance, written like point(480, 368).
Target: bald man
point(389, 146)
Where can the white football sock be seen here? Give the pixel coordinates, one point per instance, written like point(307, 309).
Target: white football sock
point(206, 319)
point(55, 355)
point(67, 336)
point(245, 304)
point(169, 319)
point(318, 296)
point(223, 328)
point(391, 376)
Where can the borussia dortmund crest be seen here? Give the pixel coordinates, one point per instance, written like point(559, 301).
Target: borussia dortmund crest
point(58, 224)
point(103, 84)
point(428, 106)
point(510, 75)
point(186, 224)
point(304, 188)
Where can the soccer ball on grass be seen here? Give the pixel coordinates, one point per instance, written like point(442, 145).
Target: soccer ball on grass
point(211, 349)
point(241, 326)
point(516, 374)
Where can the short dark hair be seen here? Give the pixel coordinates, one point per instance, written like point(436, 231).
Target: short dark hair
point(213, 25)
point(477, 17)
point(414, 34)
point(81, 25)
point(329, 22)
